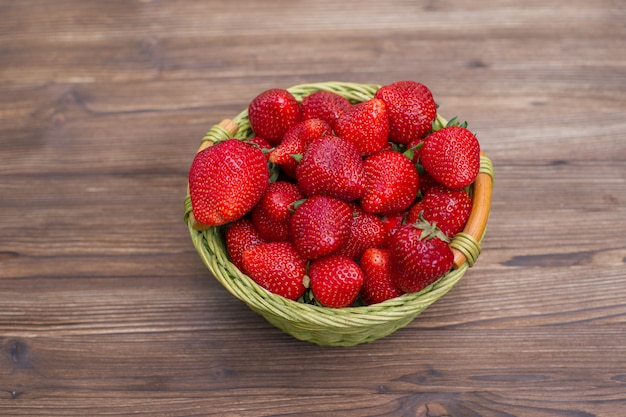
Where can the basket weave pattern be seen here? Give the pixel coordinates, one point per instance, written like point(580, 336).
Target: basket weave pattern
point(327, 326)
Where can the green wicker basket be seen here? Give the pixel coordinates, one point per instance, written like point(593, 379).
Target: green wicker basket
point(327, 326)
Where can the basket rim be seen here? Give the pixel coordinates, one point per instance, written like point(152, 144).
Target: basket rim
point(211, 248)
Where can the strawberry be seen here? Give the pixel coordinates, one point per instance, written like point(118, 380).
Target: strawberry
point(272, 113)
point(451, 155)
point(270, 230)
point(426, 181)
point(377, 285)
point(320, 226)
point(295, 141)
point(331, 166)
point(366, 125)
point(277, 267)
point(420, 255)
point(366, 231)
point(226, 180)
point(448, 209)
point(411, 110)
point(391, 223)
point(325, 105)
point(391, 183)
point(240, 236)
point(261, 143)
point(335, 280)
point(278, 200)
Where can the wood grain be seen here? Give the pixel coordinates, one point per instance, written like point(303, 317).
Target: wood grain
point(106, 309)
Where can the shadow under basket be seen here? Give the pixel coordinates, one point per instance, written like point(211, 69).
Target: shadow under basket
point(329, 326)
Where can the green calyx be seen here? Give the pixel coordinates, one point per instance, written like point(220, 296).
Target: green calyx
point(430, 230)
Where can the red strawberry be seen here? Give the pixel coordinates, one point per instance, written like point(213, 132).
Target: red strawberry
point(451, 156)
point(377, 286)
point(414, 148)
point(411, 110)
point(226, 180)
point(366, 125)
point(391, 223)
point(335, 281)
point(448, 209)
point(391, 183)
point(320, 226)
point(325, 105)
point(277, 267)
point(278, 200)
point(269, 229)
point(272, 113)
point(261, 143)
point(295, 141)
point(331, 166)
point(426, 182)
point(240, 236)
point(420, 255)
point(366, 231)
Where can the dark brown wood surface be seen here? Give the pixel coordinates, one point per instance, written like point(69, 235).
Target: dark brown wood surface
point(105, 307)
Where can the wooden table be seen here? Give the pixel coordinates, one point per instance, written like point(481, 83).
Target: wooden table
point(107, 310)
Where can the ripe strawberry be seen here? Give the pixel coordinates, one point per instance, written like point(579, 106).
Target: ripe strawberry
point(366, 125)
point(272, 113)
point(226, 180)
point(420, 255)
point(366, 231)
point(451, 156)
point(295, 141)
point(335, 280)
point(426, 182)
point(269, 229)
point(325, 105)
point(448, 209)
point(320, 226)
point(278, 200)
point(411, 110)
point(391, 224)
point(391, 183)
point(240, 236)
point(377, 285)
point(277, 267)
point(261, 143)
point(331, 166)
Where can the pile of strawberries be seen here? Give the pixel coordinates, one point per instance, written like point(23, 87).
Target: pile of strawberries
point(339, 203)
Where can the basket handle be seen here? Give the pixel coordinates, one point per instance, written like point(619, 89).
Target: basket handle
point(466, 245)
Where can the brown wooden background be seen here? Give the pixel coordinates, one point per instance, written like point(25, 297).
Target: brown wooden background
point(106, 309)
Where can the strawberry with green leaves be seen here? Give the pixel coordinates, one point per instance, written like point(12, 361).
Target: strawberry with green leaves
point(272, 113)
point(277, 267)
point(391, 183)
point(378, 285)
point(420, 255)
point(411, 110)
point(295, 142)
point(335, 280)
point(448, 209)
point(366, 125)
point(320, 226)
point(451, 155)
point(226, 180)
point(331, 166)
point(277, 201)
